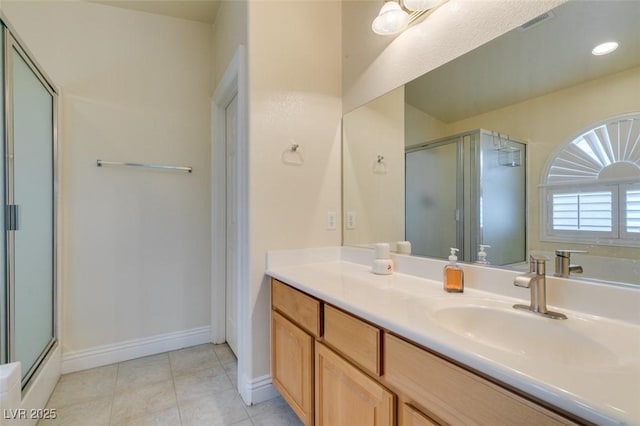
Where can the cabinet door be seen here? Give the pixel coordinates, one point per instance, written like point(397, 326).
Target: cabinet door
point(347, 396)
point(413, 417)
point(292, 366)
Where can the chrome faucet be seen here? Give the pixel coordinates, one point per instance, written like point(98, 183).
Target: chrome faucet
point(563, 263)
point(536, 280)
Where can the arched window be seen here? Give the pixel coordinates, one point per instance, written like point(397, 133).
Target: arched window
point(591, 186)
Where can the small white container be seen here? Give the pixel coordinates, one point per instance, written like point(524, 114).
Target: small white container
point(382, 265)
point(403, 247)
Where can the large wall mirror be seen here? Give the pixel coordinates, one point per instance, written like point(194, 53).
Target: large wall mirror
point(457, 156)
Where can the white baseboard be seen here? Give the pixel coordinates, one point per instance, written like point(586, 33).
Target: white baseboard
point(130, 349)
point(260, 389)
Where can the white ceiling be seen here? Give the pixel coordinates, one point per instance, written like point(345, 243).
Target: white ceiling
point(193, 10)
point(523, 64)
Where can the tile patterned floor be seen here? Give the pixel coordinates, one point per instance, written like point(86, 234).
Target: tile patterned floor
point(189, 387)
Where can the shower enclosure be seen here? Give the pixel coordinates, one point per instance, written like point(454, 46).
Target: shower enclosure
point(27, 250)
point(466, 190)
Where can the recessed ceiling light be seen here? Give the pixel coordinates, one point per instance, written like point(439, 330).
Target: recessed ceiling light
point(604, 48)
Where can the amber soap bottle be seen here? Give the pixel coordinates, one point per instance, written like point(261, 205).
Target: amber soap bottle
point(453, 279)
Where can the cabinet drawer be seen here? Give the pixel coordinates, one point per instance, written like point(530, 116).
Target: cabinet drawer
point(354, 338)
point(453, 394)
point(298, 307)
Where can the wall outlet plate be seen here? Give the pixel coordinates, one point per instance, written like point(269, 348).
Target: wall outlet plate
point(351, 220)
point(332, 219)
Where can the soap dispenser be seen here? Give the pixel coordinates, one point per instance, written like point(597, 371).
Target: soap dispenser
point(482, 254)
point(453, 274)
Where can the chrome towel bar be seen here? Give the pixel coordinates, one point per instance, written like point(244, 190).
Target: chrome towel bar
point(101, 163)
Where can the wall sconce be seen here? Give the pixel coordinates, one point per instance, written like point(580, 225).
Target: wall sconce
point(396, 15)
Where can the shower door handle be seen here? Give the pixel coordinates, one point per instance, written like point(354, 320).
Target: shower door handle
point(12, 217)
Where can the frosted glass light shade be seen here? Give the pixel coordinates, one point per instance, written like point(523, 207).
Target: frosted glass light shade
point(417, 5)
point(391, 19)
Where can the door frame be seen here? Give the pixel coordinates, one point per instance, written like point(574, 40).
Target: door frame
point(232, 83)
point(231, 237)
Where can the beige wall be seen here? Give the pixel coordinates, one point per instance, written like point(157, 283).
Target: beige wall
point(294, 96)
point(229, 31)
point(136, 245)
point(420, 127)
point(550, 120)
point(377, 198)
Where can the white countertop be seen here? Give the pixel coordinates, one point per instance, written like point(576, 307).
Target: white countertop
point(607, 394)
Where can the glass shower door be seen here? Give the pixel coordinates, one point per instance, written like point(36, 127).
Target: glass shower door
point(432, 214)
point(4, 292)
point(30, 196)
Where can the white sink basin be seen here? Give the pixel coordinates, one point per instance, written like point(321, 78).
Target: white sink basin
point(523, 333)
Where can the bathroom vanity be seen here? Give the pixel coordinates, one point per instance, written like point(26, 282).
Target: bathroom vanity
point(350, 347)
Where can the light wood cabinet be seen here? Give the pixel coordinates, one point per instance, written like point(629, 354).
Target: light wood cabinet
point(292, 366)
point(304, 310)
point(412, 417)
point(335, 369)
point(346, 396)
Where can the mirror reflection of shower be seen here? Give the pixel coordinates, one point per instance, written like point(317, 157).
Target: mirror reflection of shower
point(461, 192)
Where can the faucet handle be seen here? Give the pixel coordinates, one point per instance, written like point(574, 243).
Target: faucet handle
point(563, 263)
point(537, 263)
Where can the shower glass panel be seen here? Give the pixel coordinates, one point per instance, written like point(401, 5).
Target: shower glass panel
point(431, 199)
point(4, 326)
point(31, 190)
point(502, 201)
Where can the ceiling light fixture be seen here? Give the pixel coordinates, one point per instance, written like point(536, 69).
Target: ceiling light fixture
point(604, 48)
point(396, 15)
point(391, 20)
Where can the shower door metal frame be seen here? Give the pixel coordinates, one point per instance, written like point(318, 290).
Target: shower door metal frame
point(12, 42)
